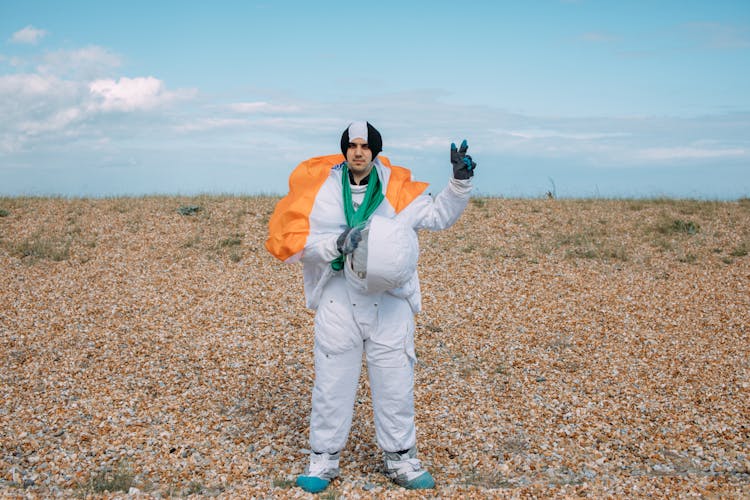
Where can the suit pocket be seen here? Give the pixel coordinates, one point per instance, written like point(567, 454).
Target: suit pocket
point(335, 331)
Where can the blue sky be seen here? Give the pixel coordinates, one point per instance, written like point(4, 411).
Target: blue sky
point(586, 98)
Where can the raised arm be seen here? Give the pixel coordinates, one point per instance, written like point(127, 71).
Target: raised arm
point(442, 211)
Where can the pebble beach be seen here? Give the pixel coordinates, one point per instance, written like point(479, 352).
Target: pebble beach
point(151, 347)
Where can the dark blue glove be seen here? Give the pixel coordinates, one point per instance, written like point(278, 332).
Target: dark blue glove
point(348, 241)
point(463, 165)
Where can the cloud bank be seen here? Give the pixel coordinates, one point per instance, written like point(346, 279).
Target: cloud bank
point(76, 107)
point(51, 99)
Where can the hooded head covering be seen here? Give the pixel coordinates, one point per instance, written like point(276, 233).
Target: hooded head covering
point(362, 130)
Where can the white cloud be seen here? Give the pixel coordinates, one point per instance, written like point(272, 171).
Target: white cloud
point(205, 124)
point(43, 109)
point(688, 153)
point(26, 84)
point(263, 107)
point(32, 105)
point(28, 35)
point(84, 63)
point(66, 94)
point(427, 143)
point(549, 134)
point(132, 94)
point(57, 121)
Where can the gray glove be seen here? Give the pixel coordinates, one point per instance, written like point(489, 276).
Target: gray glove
point(348, 240)
point(463, 165)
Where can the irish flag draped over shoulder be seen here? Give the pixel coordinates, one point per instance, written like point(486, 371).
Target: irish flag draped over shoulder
point(289, 226)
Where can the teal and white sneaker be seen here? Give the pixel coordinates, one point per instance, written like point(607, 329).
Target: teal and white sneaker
point(323, 467)
point(406, 470)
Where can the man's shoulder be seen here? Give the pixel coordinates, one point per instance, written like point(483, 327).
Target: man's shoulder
point(310, 175)
point(398, 175)
point(316, 168)
point(322, 162)
point(398, 172)
point(401, 189)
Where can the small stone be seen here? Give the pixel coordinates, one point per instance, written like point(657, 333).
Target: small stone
point(265, 451)
point(662, 469)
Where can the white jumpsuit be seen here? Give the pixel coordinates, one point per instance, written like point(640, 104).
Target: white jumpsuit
point(349, 322)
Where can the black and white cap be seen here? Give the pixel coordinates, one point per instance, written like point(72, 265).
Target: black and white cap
point(362, 130)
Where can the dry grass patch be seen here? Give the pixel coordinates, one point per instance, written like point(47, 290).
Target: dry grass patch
point(121, 479)
point(40, 246)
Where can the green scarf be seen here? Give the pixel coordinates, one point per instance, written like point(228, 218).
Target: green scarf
point(358, 218)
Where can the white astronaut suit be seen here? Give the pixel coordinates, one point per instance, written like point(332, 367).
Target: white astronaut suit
point(374, 314)
point(368, 306)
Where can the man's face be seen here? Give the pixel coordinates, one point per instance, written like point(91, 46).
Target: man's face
point(359, 158)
